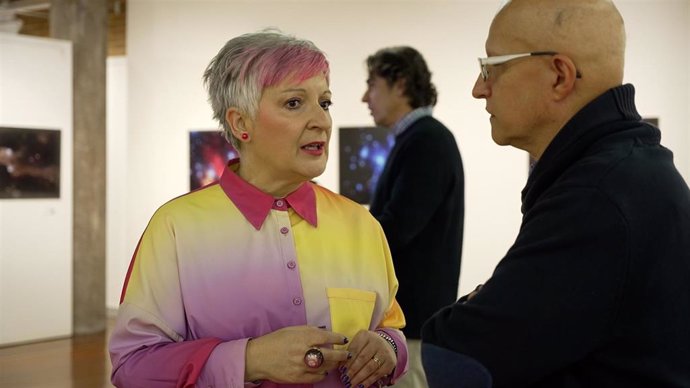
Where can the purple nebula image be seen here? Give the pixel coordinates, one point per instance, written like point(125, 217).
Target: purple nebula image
point(363, 154)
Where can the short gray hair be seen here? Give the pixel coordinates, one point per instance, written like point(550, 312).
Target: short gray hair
point(238, 74)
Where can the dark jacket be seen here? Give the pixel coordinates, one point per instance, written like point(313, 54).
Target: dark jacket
point(595, 291)
point(419, 201)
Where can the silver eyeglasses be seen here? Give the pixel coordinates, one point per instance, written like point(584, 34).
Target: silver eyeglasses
point(501, 59)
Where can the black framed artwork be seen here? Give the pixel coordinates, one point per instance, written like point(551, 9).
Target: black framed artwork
point(209, 153)
point(652, 120)
point(363, 154)
point(29, 163)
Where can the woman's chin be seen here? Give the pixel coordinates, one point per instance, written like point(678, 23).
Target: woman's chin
point(314, 172)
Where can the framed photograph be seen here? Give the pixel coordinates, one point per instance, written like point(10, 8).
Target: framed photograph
point(209, 153)
point(363, 154)
point(29, 163)
point(652, 120)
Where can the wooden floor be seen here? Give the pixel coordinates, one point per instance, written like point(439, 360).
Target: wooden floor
point(77, 362)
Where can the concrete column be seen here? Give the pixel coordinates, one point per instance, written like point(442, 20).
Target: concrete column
point(84, 22)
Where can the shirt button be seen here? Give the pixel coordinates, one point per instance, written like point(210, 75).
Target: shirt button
point(280, 203)
point(291, 264)
point(297, 301)
point(284, 230)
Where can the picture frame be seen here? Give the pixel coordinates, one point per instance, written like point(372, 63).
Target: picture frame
point(363, 152)
point(29, 163)
point(209, 153)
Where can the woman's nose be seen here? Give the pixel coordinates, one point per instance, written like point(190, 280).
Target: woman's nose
point(321, 119)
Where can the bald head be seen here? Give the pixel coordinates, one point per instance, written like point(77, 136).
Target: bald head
point(590, 32)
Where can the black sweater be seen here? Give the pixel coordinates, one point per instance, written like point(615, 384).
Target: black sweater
point(595, 291)
point(419, 201)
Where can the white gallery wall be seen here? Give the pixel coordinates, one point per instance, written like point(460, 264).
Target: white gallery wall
point(36, 234)
point(170, 42)
point(658, 64)
point(117, 251)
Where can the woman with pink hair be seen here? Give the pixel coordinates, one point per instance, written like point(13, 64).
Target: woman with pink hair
point(262, 278)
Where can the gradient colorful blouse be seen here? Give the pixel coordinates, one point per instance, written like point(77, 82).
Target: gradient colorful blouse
point(228, 262)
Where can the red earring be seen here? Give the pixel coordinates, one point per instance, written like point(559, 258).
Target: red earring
point(244, 136)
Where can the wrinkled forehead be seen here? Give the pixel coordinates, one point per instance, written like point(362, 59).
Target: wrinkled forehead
point(505, 37)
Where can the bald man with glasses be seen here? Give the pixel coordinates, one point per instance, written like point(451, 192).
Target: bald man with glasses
point(595, 291)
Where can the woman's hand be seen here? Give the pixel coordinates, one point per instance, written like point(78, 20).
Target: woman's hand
point(373, 358)
point(279, 356)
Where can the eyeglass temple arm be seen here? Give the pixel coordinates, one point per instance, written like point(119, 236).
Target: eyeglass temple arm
point(577, 72)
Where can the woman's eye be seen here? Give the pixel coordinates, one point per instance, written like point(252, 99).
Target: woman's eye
point(326, 104)
point(293, 104)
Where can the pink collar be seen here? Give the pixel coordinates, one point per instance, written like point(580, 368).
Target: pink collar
point(255, 204)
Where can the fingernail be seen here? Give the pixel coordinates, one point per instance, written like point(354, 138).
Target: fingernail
point(341, 369)
point(345, 379)
point(322, 327)
point(348, 385)
point(349, 355)
point(360, 386)
point(345, 340)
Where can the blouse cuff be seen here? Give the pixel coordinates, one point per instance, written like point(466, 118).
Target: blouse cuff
point(225, 366)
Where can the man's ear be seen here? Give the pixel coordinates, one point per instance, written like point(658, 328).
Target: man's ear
point(237, 122)
point(566, 75)
point(399, 87)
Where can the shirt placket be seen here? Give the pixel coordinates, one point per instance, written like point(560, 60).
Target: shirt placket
point(289, 259)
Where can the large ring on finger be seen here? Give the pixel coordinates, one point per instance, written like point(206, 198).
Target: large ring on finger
point(377, 360)
point(313, 358)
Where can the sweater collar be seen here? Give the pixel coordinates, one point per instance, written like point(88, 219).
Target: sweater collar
point(587, 126)
point(255, 205)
